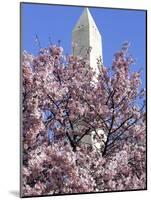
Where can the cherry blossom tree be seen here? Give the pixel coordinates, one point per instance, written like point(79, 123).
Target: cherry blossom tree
point(62, 103)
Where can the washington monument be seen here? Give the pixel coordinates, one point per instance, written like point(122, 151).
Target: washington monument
point(85, 36)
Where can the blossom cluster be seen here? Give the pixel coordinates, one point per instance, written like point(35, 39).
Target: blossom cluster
point(59, 97)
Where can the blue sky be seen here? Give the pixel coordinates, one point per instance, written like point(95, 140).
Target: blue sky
point(116, 26)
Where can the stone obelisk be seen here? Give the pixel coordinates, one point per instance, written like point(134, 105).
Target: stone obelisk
point(85, 37)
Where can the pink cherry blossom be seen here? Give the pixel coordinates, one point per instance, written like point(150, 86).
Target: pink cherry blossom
point(59, 96)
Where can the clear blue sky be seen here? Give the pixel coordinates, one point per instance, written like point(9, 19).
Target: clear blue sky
point(116, 26)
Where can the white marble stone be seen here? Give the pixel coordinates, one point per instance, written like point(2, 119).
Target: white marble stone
point(86, 35)
point(96, 140)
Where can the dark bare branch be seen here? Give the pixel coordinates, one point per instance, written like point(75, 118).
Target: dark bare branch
point(86, 132)
point(121, 125)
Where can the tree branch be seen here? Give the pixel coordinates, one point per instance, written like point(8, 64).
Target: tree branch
point(118, 137)
point(86, 132)
point(97, 114)
point(121, 125)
